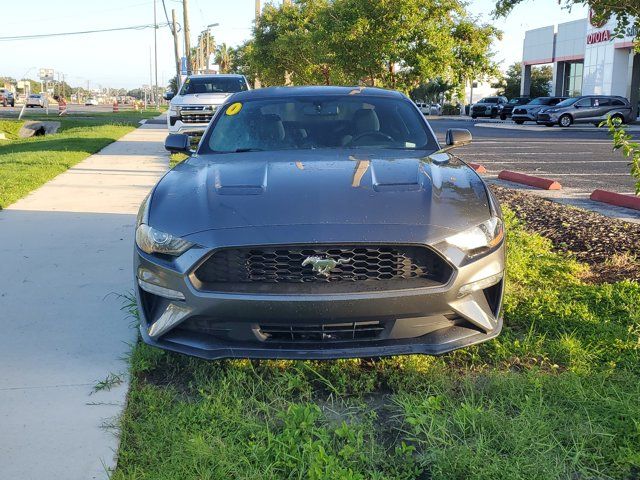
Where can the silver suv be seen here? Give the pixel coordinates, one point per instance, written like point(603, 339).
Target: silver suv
point(198, 99)
point(586, 109)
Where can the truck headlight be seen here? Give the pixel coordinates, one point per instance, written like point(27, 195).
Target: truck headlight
point(480, 239)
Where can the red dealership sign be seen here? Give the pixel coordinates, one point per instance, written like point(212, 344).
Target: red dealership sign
point(598, 37)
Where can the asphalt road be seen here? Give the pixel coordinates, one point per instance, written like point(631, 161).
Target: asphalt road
point(580, 159)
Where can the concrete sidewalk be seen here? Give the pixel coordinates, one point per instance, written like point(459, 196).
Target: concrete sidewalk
point(66, 252)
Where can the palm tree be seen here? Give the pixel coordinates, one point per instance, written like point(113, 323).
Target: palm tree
point(223, 57)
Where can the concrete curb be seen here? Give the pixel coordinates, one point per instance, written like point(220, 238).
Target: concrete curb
point(617, 199)
point(538, 182)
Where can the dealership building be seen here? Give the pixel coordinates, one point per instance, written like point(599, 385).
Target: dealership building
point(586, 58)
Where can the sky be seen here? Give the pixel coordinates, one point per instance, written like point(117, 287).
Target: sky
point(123, 59)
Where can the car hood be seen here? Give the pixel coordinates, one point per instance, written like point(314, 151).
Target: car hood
point(318, 187)
point(485, 104)
point(200, 99)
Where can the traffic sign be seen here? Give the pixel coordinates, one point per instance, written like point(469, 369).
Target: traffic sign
point(46, 74)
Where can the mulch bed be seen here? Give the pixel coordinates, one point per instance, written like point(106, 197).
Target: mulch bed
point(611, 247)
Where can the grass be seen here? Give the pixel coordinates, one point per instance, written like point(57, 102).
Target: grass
point(554, 397)
point(26, 164)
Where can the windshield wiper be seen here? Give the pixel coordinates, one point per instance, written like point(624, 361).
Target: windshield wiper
point(242, 150)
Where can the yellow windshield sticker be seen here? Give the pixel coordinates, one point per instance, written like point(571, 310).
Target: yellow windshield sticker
point(234, 108)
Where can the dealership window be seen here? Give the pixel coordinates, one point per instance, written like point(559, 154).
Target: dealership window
point(573, 79)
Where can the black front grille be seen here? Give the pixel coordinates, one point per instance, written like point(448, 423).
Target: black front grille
point(543, 116)
point(340, 268)
point(520, 111)
point(323, 332)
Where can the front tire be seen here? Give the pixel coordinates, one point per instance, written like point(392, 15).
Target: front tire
point(474, 116)
point(619, 117)
point(519, 122)
point(503, 117)
point(549, 124)
point(565, 121)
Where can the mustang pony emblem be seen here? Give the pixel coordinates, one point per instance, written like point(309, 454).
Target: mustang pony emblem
point(324, 266)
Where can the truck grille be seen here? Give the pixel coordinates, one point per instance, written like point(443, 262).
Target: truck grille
point(519, 111)
point(323, 332)
point(341, 268)
point(197, 113)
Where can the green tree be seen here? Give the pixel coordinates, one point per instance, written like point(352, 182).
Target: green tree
point(627, 12)
point(173, 84)
point(430, 91)
point(389, 43)
point(224, 57)
point(541, 77)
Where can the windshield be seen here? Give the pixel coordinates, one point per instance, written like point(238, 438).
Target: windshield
point(305, 123)
point(540, 101)
point(567, 102)
point(516, 101)
point(213, 85)
point(489, 100)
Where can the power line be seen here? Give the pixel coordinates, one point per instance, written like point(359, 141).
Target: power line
point(85, 32)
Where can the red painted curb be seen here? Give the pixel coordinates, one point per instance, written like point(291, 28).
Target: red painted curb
point(478, 168)
point(539, 182)
point(618, 199)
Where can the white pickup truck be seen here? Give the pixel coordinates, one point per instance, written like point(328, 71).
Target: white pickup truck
point(198, 99)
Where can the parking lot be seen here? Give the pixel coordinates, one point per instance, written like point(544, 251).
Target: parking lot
point(581, 159)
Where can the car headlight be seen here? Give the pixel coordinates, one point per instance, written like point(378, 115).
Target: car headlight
point(151, 240)
point(479, 239)
point(551, 110)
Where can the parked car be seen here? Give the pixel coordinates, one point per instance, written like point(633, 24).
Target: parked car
point(429, 108)
point(7, 98)
point(425, 108)
point(488, 107)
point(530, 111)
point(198, 99)
point(587, 109)
point(36, 100)
point(507, 110)
point(315, 223)
point(91, 102)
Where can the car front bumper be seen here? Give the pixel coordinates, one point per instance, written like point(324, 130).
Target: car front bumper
point(525, 117)
point(214, 325)
point(547, 118)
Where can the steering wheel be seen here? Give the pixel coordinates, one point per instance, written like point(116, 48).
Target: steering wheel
point(372, 134)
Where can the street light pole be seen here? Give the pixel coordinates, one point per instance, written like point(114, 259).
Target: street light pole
point(175, 46)
point(155, 52)
point(187, 43)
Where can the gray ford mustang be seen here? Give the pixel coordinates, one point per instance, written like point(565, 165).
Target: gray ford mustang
point(319, 222)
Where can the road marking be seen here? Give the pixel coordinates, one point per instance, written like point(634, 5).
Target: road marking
point(532, 153)
point(518, 162)
point(558, 174)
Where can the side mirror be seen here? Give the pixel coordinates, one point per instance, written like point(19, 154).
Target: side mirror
point(457, 137)
point(168, 95)
point(178, 143)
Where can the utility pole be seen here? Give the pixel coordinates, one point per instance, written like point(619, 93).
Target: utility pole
point(175, 47)
point(287, 75)
point(155, 53)
point(256, 81)
point(151, 96)
point(187, 43)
